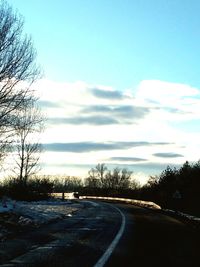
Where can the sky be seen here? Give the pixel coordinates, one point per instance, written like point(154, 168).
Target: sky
point(121, 82)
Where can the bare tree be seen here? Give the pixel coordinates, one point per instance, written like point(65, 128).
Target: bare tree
point(72, 183)
point(118, 179)
point(101, 177)
point(100, 172)
point(17, 70)
point(28, 124)
point(92, 181)
point(124, 181)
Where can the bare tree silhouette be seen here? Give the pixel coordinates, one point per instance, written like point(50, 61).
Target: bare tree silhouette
point(18, 71)
point(28, 124)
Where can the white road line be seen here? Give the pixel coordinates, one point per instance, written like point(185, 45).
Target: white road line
point(101, 262)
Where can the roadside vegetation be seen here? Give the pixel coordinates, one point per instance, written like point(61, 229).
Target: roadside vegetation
point(177, 189)
point(174, 188)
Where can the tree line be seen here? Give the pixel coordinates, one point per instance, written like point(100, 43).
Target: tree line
point(114, 182)
point(174, 188)
point(100, 181)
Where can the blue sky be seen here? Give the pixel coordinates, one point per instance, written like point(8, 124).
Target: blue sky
point(117, 43)
point(127, 67)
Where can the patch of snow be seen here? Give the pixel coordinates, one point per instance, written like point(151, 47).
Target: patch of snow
point(44, 211)
point(40, 212)
point(24, 221)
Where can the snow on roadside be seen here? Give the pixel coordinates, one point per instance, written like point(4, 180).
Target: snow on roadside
point(40, 212)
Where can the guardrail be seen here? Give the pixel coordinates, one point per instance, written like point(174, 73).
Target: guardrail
point(141, 203)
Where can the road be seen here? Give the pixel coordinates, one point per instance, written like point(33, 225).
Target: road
point(105, 234)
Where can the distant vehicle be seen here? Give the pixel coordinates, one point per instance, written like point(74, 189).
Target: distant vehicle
point(76, 195)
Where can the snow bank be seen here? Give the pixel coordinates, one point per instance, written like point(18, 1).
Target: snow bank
point(40, 212)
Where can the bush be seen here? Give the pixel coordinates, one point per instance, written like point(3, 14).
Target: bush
point(34, 189)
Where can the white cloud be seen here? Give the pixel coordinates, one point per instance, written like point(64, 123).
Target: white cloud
point(165, 92)
point(156, 104)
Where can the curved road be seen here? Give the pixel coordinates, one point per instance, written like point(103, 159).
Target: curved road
point(105, 234)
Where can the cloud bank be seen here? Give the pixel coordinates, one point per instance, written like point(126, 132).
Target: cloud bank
point(82, 147)
point(84, 118)
point(167, 155)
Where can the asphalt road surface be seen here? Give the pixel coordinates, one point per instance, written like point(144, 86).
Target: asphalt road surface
point(105, 234)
